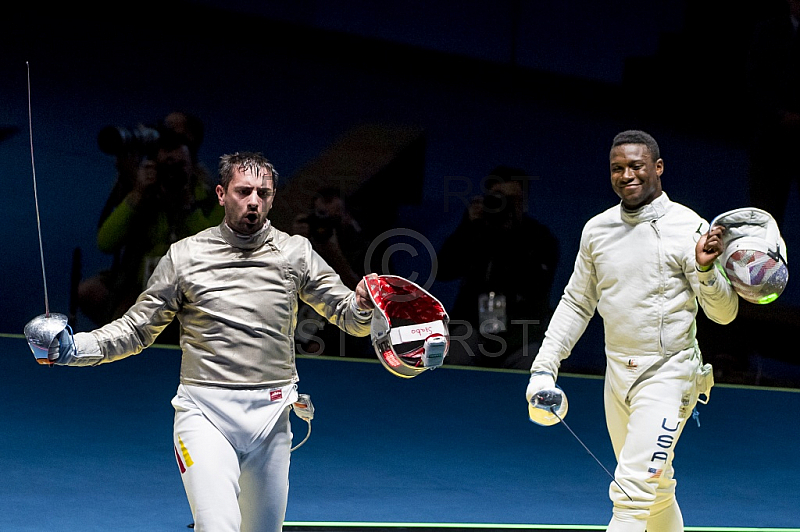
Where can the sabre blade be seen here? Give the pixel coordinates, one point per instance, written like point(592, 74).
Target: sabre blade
point(553, 410)
point(36, 194)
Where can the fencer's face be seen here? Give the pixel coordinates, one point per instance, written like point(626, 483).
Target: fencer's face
point(635, 176)
point(247, 199)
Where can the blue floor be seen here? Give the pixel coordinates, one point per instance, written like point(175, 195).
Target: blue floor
point(85, 449)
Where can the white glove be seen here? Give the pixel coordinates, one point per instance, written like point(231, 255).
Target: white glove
point(540, 380)
point(80, 349)
point(547, 404)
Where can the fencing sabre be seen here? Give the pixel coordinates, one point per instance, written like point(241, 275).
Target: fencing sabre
point(43, 329)
point(554, 401)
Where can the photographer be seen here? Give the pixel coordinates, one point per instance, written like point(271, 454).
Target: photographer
point(338, 238)
point(162, 194)
point(335, 235)
point(506, 261)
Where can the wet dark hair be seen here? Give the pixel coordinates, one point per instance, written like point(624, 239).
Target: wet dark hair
point(229, 163)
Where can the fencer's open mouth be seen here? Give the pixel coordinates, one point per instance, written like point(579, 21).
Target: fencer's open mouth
point(252, 217)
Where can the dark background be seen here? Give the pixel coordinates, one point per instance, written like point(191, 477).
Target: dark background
point(458, 87)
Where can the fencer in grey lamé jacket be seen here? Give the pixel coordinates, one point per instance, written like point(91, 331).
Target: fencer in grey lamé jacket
point(236, 298)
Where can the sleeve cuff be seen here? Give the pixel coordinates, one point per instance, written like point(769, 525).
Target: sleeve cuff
point(707, 277)
point(360, 314)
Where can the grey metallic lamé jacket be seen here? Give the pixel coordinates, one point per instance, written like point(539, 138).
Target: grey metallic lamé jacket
point(236, 299)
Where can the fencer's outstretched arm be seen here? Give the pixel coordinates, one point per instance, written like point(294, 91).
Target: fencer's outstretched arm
point(127, 335)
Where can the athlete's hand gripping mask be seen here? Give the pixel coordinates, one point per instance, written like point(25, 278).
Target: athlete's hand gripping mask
point(754, 258)
point(409, 326)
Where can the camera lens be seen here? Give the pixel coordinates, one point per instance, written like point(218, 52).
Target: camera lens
point(114, 140)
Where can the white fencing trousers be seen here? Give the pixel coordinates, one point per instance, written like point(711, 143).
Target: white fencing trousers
point(644, 429)
point(233, 449)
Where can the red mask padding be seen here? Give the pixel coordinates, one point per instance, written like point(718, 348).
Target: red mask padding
point(406, 314)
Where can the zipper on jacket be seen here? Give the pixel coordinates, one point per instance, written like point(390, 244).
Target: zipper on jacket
point(661, 289)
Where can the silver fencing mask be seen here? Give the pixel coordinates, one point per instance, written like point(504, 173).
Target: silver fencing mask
point(754, 259)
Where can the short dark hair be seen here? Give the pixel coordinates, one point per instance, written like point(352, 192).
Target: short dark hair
point(634, 136)
point(230, 163)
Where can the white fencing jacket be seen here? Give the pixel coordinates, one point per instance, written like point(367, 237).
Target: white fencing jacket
point(638, 270)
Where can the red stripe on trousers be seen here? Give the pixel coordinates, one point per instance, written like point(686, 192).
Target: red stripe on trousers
point(180, 462)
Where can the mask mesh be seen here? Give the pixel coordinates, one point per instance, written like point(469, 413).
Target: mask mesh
point(756, 276)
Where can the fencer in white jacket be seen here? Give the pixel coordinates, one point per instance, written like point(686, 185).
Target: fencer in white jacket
point(644, 265)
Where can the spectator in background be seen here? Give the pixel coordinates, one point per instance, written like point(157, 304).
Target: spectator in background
point(338, 238)
point(506, 262)
point(162, 194)
point(774, 88)
point(130, 146)
point(335, 234)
